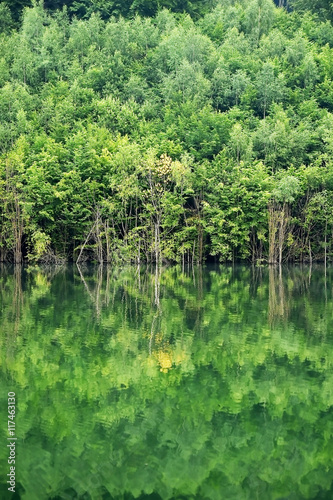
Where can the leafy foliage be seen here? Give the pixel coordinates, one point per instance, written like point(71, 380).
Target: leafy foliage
point(237, 97)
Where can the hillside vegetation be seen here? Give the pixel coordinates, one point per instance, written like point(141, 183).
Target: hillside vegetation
point(131, 133)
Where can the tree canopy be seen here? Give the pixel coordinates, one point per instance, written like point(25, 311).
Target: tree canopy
point(165, 136)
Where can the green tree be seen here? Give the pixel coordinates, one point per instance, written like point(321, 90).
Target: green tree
point(285, 192)
point(270, 88)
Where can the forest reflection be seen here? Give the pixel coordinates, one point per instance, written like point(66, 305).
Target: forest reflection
point(169, 382)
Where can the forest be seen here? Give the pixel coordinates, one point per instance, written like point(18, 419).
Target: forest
point(163, 132)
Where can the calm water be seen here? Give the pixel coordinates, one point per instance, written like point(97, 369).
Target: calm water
point(212, 383)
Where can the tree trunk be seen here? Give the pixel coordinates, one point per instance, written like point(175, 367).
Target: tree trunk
point(278, 225)
point(157, 243)
point(310, 253)
point(325, 255)
point(272, 230)
point(18, 233)
point(283, 222)
point(107, 241)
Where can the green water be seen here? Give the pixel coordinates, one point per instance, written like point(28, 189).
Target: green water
point(212, 383)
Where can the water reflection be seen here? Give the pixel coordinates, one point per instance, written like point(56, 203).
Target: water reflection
point(173, 383)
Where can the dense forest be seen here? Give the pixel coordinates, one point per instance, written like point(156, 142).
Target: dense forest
point(171, 131)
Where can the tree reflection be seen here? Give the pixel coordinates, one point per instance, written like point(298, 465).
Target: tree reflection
point(132, 382)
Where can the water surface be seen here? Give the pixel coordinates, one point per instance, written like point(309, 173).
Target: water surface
point(203, 383)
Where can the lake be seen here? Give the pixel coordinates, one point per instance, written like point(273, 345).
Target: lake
point(196, 383)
